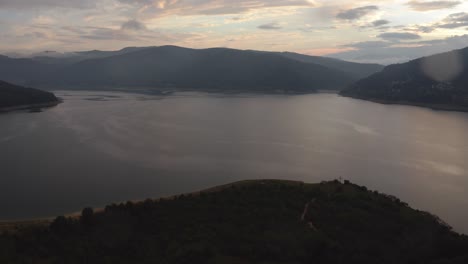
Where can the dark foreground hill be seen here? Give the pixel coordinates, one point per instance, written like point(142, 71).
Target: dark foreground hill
point(175, 67)
point(12, 96)
point(247, 222)
point(439, 81)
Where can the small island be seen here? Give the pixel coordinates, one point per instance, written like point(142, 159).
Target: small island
point(14, 97)
point(262, 221)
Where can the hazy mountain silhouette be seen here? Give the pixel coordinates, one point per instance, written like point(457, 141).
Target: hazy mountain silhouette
point(13, 95)
point(25, 71)
point(438, 79)
point(176, 67)
point(74, 57)
point(355, 70)
point(216, 68)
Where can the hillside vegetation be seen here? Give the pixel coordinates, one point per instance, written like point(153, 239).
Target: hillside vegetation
point(441, 79)
point(13, 95)
point(356, 70)
point(247, 222)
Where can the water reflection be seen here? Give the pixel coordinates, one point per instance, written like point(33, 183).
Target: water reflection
point(118, 147)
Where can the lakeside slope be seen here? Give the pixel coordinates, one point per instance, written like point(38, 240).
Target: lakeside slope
point(263, 221)
point(439, 82)
point(14, 97)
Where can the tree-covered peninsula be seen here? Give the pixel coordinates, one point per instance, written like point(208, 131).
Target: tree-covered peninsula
point(248, 222)
point(17, 97)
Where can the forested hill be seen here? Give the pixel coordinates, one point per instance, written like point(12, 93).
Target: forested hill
point(356, 70)
point(441, 79)
point(13, 96)
point(219, 69)
point(247, 222)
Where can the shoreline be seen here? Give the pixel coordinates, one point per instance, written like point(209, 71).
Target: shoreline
point(171, 91)
point(30, 106)
point(12, 225)
point(435, 107)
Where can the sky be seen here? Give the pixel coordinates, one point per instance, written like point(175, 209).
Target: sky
point(385, 31)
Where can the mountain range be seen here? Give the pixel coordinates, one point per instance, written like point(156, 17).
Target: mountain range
point(176, 67)
point(439, 81)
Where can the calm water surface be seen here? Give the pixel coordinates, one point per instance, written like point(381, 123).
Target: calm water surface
point(102, 147)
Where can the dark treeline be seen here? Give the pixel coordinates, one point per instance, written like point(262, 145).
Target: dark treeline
point(248, 222)
point(14, 95)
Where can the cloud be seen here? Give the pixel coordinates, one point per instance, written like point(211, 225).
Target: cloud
point(28, 4)
point(139, 2)
point(394, 52)
point(130, 34)
point(455, 42)
point(356, 13)
point(133, 25)
point(75, 30)
point(424, 29)
point(432, 5)
point(209, 7)
point(380, 22)
point(368, 44)
point(397, 36)
point(380, 25)
point(455, 21)
point(46, 24)
point(454, 25)
point(108, 34)
point(270, 26)
point(310, 28)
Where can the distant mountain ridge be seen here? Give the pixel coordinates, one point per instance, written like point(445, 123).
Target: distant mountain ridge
point(439, 81)
point(217, 68)
point(78, 56)
point(24, 71)
point(176, 67)
point(356, 70)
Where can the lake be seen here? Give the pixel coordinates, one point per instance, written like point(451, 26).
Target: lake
point(97, 148)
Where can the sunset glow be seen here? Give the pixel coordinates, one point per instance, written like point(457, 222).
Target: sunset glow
point(375, 31)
